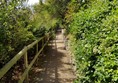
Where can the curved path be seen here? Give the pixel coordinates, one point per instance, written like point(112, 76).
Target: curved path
point(54, 66)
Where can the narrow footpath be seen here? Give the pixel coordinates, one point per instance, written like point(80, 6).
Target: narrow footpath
point(55, 65)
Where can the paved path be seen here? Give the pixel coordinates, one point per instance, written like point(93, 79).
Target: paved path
point(55, 66)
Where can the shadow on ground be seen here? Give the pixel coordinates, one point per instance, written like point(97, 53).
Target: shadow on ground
point(53, 66)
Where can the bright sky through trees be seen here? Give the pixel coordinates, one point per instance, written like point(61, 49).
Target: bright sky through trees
point(32, 2)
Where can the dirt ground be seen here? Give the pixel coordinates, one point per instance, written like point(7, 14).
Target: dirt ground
point(54, 66)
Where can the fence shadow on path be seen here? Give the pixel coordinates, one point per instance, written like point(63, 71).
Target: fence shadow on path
point(51, 67)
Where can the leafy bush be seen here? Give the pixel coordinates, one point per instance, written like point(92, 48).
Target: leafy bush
point(20, 25)
point(14, 25)
point(95, 43)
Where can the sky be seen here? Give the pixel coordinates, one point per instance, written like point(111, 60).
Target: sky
point(32, 2)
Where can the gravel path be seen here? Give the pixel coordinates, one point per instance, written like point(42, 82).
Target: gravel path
point(54, 66)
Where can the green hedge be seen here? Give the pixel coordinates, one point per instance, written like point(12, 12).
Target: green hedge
point(95, 42)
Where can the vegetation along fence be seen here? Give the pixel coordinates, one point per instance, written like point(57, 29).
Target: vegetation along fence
point(23, 52)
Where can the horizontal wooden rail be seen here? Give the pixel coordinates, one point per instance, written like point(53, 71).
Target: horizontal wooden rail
point(4, 70)
point(34, 43)
point(30, 65)
point(13, 61)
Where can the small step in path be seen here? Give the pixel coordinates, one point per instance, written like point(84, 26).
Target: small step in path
point(55, 66)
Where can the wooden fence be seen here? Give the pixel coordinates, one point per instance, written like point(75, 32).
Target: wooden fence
point(23, 52)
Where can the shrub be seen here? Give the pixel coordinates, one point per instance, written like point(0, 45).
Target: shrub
point(95, 42)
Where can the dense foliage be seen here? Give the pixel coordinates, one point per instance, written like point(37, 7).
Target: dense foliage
point(14, 24)
point(91, 24)
point(94, 31)
point(21, 24)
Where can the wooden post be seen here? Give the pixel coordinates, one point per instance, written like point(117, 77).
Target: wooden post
point(55, 43)
point(36, 53)
point(26, 65)
point(42, 44)
point(36, 48)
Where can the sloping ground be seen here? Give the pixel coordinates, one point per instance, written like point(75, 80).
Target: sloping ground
point(54, 66)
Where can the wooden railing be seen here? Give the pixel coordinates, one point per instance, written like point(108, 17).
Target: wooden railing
point(23, 52)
